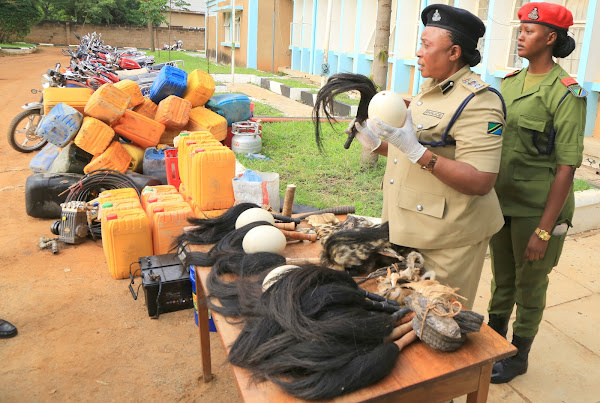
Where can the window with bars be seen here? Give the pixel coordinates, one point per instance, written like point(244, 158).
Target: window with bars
point(483, 8)
point(227, 26)
point(569, 63)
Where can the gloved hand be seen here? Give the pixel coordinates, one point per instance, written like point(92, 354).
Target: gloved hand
point(404, 138)
point(364, 135)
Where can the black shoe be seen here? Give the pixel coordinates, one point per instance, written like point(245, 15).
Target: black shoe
point(499, 324)
point(506, 370)
point(7, 330)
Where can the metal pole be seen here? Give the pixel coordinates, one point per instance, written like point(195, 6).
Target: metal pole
point(170, 9)
point(273, 40)
point(326, 42)
point(231, 34)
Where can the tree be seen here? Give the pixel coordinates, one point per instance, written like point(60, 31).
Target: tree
point(379, 68)
point(93, 11)
point(156, 10)
point(16, 18)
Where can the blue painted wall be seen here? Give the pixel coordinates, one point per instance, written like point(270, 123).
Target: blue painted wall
point(252, 51)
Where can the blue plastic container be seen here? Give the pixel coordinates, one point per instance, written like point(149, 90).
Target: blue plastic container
point(170, 81)
point(154, 164)
point(60, 125)
point(211, 323)
point(42, 161)
point(233, 107)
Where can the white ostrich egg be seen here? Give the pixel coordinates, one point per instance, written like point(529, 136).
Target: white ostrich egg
point(264, 238)
point(389, 107)
point(253, 215)
point(274, 275)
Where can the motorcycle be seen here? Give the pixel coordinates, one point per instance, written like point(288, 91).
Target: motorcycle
point(21, 134)
point(176, 46)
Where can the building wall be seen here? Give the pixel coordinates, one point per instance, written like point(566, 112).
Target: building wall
point(184, 20)
point(61, 33)
point(273, 51)
point(351, 42)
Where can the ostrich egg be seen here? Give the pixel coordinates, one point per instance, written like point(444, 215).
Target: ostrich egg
point(264, 238)
point(389, 107)
point(274, 275)
point(253, 215)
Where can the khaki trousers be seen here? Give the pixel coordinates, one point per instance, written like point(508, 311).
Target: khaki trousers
point(458, 268)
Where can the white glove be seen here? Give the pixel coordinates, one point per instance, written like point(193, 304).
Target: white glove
point(404, 138)
point(365, 136)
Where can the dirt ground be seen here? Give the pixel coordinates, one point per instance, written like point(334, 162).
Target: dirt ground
point(81, 334)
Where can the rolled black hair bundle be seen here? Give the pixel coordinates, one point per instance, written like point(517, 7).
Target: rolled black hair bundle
point(211, 230)
point(564, 44)
point(338, 84)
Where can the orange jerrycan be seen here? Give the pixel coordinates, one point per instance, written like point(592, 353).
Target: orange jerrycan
point(114, 157)
point(107, 104)
point(146, 108)
point(117, 205)
point(75, 97)
point(137, 157)
point(94, 136)
point(198, 212)
point(143, 131)
point(133, 90)
point(185, 148)
point(200, 87)
point(162, 198)
point(151, 191)
point(125, 237)
point(205, 119)
point(211, 174)
point(168, 220)
point(173, 112)
point(118, 194)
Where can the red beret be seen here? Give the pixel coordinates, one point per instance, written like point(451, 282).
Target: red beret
point(552, 15)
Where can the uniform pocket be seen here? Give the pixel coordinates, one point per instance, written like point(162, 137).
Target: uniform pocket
point(532, 134)
point(531, 186)
point(421, 202)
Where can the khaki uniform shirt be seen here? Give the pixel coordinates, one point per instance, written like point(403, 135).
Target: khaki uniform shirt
point(526, 174)
point(424, 212)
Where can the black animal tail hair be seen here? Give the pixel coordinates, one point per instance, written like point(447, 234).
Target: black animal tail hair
point(337, 84)
point(212, 230)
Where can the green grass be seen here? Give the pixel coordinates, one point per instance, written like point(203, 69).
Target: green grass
point(328, 179)
point(17, 45)
point(261, 109)
point(294, 83)
point(193, 63)
point(346, 99)
point(580, 184)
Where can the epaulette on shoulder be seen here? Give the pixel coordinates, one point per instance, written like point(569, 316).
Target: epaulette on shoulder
point(514, 73)
point(474, 84)
point(574, 87)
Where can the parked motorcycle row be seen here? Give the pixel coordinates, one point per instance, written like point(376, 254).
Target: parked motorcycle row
point(93, 63)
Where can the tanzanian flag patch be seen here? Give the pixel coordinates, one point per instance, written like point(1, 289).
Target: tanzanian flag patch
point(495, 128)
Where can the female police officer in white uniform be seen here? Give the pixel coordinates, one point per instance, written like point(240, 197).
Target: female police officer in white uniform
point(442, 165)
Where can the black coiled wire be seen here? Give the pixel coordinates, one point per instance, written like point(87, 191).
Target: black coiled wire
point(95, 182)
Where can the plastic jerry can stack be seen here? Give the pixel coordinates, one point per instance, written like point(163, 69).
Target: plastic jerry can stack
point(114, 157)
point(94, 136)
point(137, 157)
point(60, 125)
point(125, 237)
point(138, 128)
point(154, 163)
point(117, 205)
point(170, 81)
point(200, 213)
point(173, 112)
point(107, 103)
point(111, 195)
point(211, 175)
point(200, 87)
point(205, 119)
point(168, 220)
point(75, 97)
point(168, 136)
point(184, 155)
point(172, 167)
point(133, 90)
point(146, 108)
point(41, 161)
point(159, 198)
point(151, 191)
point(71, 159)
point(233, 107)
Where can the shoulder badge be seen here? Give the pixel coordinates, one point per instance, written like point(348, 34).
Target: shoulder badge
point(473, 84)
point(512, 73)
point(573, 87)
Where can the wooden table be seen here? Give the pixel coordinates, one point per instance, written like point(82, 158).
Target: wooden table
point(421, 374)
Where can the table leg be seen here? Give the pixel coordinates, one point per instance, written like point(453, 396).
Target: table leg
point(203, 329)
point(480, 395)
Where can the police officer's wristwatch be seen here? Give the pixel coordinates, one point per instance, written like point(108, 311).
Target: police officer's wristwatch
point(543, 235)
point(431, 164)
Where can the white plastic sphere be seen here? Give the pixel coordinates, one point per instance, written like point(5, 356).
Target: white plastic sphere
point(253, 215)
point(264, 238)
point(389, 107)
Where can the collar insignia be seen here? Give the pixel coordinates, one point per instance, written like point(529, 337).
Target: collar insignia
point(436, 16)
point(534, 15)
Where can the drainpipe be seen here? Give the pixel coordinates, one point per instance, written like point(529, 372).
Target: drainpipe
point(325, 65)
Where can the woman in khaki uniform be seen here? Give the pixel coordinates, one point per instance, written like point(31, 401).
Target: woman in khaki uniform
point(442, 165)
point(542, 147)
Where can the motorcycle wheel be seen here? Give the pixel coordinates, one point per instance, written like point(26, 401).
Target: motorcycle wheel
point(21, 132)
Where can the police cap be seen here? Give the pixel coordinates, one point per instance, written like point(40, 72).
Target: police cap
point(467, 27)
point(552, 15)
